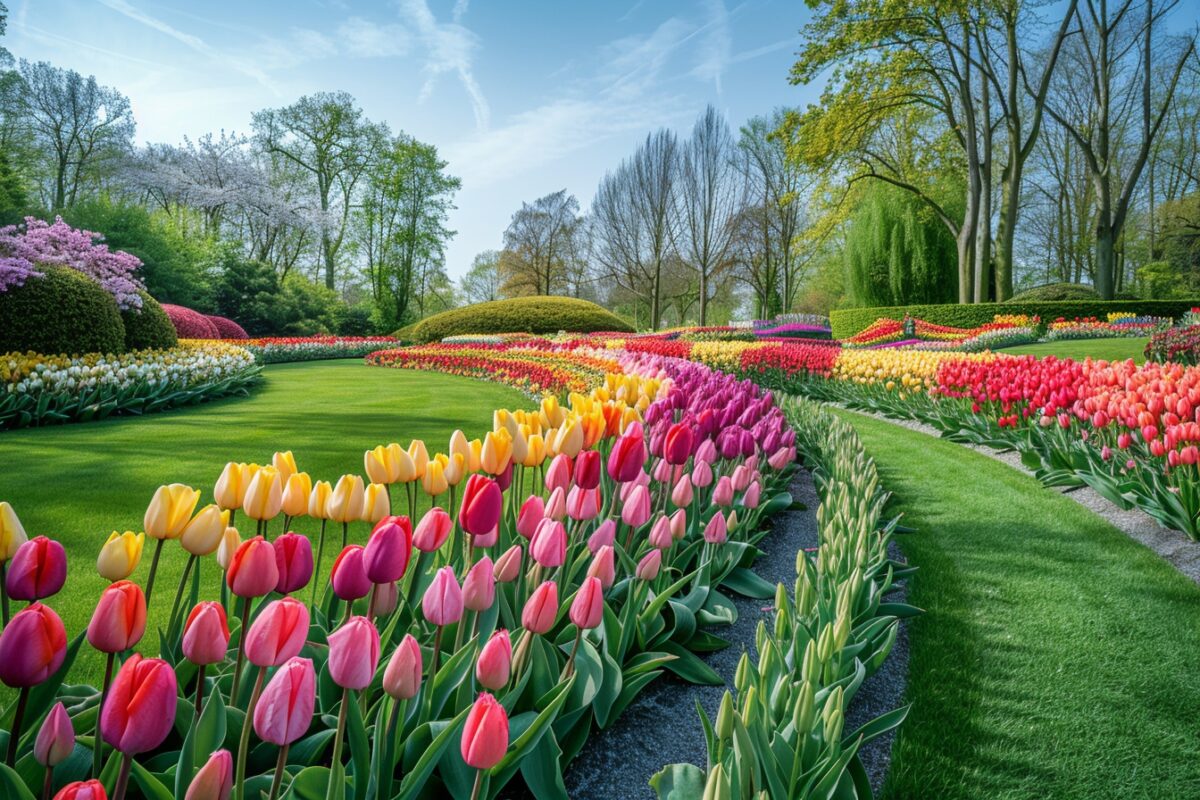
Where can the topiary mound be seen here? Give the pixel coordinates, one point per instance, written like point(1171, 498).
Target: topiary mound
point(1054, 292)
point(190, 324)
point(518, 315)
point(63, 312)
point(149, 326)
point(227, 328)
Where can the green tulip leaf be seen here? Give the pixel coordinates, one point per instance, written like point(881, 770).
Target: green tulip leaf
point(152, 788)
point(360, 747)
point(542, 770)
point(527, 740)
point(311, 783)
point(748, 584)
point(688, 666)
point(414, 780)
point(679, 782)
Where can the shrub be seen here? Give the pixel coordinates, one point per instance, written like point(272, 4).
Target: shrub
point(148, 326)
point(848, 321)
point(1053, 292)
point(227, 328)
point(62, 312)
point(519, 315)
point(190, 324)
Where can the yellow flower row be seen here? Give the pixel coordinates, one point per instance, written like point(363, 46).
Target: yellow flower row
point(915, 370)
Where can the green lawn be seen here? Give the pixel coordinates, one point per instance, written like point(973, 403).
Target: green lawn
point(1079, 349)
point(1056, 658)
point(76, 483)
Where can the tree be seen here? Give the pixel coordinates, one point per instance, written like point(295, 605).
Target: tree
point(538, 244)
point(326, 136)
point(79, 128)
point(482, 281)
point(709, 196)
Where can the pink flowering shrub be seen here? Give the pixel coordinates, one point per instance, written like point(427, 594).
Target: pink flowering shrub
point(227, 328)
point(45, 244)
point(191, 324)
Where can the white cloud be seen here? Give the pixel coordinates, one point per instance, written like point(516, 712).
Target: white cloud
point(366, 39)
point(449, 47)
point(713, 54)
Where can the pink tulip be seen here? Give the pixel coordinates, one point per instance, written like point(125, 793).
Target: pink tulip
point(485, 735)
point(780, 458)
point(278, 633)
point(723, 492)
point(402, 676)
point(549, 544)
point(587, 610)
point(679, 524)
point(387, 598)
point(556, 505)
point(495, 661)
point(389, 550)
point(681, 495)
point(715, 531)
point(677, 447)
point(488, 539)
point(533, 511)
point(285, 709)
point(253, 572)
point(660, 534)
point(583, 504)
point(206, 634)
point(636, 511)
point(354, 653)
point(479, 586)
point(707, 452)
point(647, 568)
point(753, 495)
point(214, 781)
point(32, 647)
point(350, 581)
point(627, 456)
point(604, 535)
point(140, 709)
point(294, 561)
point(82, 790)
point(702, 474)
point(587, 469)
point(433, 530)
point(481, 505)
point(38, 569)
point(443, 601)
point(662, 471)
point(508, 566)
point(119, 621)
point(558, 474)
point(604, 567)
point(541, 609)
point(740, 478)
point(56, 739)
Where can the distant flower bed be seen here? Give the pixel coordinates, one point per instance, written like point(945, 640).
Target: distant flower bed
point(534, 371)
point(50, 390)
point(487, 338)
point(1117, 326)
point(1177, 345)
point(279, 349)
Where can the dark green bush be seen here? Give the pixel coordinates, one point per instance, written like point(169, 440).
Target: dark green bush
point(64, 312)
point(148, 327)
point(1054, 292)
point(518, 315)
point(848, 321)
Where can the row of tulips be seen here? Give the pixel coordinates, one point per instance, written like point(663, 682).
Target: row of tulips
point(281, 349)
point(781, 733)
point(570, 557)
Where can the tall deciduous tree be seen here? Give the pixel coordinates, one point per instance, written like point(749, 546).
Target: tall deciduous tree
point(482, 281)
point(538, 245)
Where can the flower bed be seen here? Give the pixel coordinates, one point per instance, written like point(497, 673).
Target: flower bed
point(1117, 326)
point(1179, 345)
point(51, 390)
point(282, 349)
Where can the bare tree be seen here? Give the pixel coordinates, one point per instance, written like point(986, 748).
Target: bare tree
point(482, 281)
point(538, 244)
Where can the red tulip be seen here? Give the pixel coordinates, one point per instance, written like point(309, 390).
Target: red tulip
point(206, 634)
point(485, 735)
point(294, 561)
point(532, 512)
point(677, 447)
point(495, 661)
point(32, 647)
point(119, 621)
point(549, 544)
point(402, 676)
point(479, 587)
point(56, 739)
point(433, 530)
point(587, 610)
point(278, 633)
point(354, 653)
point(627, 457)
point(82, 790)
point(350, 581)
point(388, 550)
point(587, 469)
point(214, 781)
point(37, 570)
point(443, 601)
point(285, 709)
point(140, 709)
point(481, 504)
point(541, 609)
point(252, 571)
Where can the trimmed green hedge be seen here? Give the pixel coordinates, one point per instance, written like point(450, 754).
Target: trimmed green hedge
point(1055, 292)
point(65, 312)
point(518, 315)
point(149, 326)
point(848, 321)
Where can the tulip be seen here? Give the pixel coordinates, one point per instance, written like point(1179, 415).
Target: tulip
point(715, 532)
point(433, 530)
point(604, 535)
point(32, 648)
point(494, 665)
point(496, 455)
point(284, 464)
point(434, 482)
point(419, 456)
point(549, 544)
point(293, 561)
point(230, 542)
point(558, 474)
point(587, 469)
point(707, 452)
point(556, 504)
point(481, 505)
point(56, 739)
point(485, 735)
point(349, 577)
point(702, 474)
point(752, 496)
point(140, 709)
point(12, 534)
point(508, 566)
point(587, 610)
point(479, 586)
point(213, 781)
point(82, 790)
point(541, 609)
point(354, 653)
point(278, 633)
point(679, 524)
point(388, 550)
point(386, 597)
point(202, 535)
point(38, 570)
point(627, 457)
point(376, 503)
point(346, 502)
point(231, 486)
point(119, 621)
point(604, 567)
point(380, 466)
point(120, 555)
point(252, 571)
point(264, 496)
point(443, 600)
point(170, 510)
point(647, 568)
point(283, 715)
point(206, 634)
point(662, 471)
point(402, 676)
point(318, 500)
point(532, 512)
point(660, 534)
point(636, 510)
point(682, 495)
point(297, 492)
point(723, 492)
point(677, 447)
point(583, 504)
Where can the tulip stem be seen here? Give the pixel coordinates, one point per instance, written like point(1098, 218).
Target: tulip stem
point(48, 783)
point(345, 533)
point(199, 692)
point(569, 669)
point(280, 763)
point(14, 735)
point(153, 569)
point(4, 592)
point(98, 747)
point(317, 570)
point(336, 759)
point(244, 742)
point(187, 572)
point(478, 784)
point(123, 777)
point(241, 653)
point(433, 665)
point(394, 718)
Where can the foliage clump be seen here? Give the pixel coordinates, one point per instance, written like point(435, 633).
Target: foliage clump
point(61, 312)
point(518, 315)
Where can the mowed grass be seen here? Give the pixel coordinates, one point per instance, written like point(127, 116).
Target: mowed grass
point(1056, 658)
point(76, 483)
point(1079, 349)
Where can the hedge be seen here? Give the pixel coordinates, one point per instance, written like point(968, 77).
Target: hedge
point(227, 327)
point(148, 326)
point(64, 312)
point(848, 321)
point(190, 324)
point(519, 315)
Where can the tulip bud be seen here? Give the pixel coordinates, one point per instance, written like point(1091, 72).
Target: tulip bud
point(434, 482)
point(682, 495)
point(556, 505)
point(433, 530)
point(82, 790)
point(717, 786)
point(297, 492)
point(387, 598)
point(723, 492)
point(376, 503)
point(479, 586)
point(587, 610)
point(354, 653)
point(56, 739)
point(203, 533)
point(532, 512)
point(679, 524)
point(213, 781)
point(285, 709)
point(485, 734)
point(702, 474)
point(206, 634)
point(264, 495)
point(715, 532)
point(380, 466)
point(252, 571)
point(32, 647)
point(230, 487)
point(549, 544)
point(169, 511)
point(604, 535)
point(38, 570)
point(753, 495)
point(603, 566)
point(648, 567)
point(140, 709)
point(12, 534)
point(481, 505)
point(541, 609)
point(347, 499)
point(278, 633)
point(677, 447)
point(508, 566)
point(495, 661)
point(230, 542)
point(660, 534)
point(318, 500)
point(497, 452)
point(627, 457)
point(725, 714)
point(294, 561)
point(402, 677)
point(119, 621)
point(636, 511)
point(587, 470)
point(389, 549)
point(349, 576)
point(443, 601)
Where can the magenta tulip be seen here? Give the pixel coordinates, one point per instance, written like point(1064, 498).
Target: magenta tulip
point(627, 456)
point(56, 739)
point(294, 562)
point(677, 447)
point(481, 504)
point(350, 581)
point(252, 571)
point(587, 469)
point(388, 550)
point(37, 570)
point(32, 647)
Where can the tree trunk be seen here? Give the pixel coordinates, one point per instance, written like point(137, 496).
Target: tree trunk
point(703, 297)
point(1006, 232)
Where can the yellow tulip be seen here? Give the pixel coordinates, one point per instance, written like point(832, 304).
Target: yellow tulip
point(419, 456)
point(460, 446)
point(376, 503)
point(569, 439)
point(230, 542)
point(378, 465)
point(229, 489)
point(497, 451)
point(406, 470)
point(535, 452)
point(434, 479)
point(285, 464)
point(476, 452)
point(120, 555)
point(264, 495)
point(12, 535)
point(203, 534)
point(296, 493)
point(170, 510)
point(346, 502)
point(552, 411)
point(455, 469)
point(318, 500)
point(502, 418)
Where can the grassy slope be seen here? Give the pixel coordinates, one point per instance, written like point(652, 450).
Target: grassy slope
point(1079, 349)
point(78, 482)
point(1057, 657)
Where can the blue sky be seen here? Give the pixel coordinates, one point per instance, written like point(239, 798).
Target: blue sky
point(521, 98)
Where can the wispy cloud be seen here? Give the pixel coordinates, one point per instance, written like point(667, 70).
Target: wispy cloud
point(713, 54)
point(449, 47)
point(367, 39)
